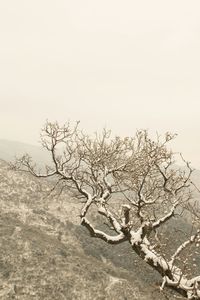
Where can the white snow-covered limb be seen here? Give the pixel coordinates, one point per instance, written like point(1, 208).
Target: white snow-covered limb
point(86, 206)
point(126, 206)
point(107, 183)
point(194, 291)
point(163, 283)
point(155, 258)
point(105, 212)
point(189, 288)
point(117, 239)
point(138, 236)
point(142, 248)
point(126, 215)
point(106, 194)
point(164, 219)
point(191, 240)
point(108, 190)
point(172, 276)
point(80, 189)
point(195, 279)
point(182, 283)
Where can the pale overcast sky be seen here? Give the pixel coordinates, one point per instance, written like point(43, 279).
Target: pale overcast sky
point(122, 64)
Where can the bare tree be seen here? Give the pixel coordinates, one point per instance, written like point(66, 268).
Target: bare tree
point(133, 184)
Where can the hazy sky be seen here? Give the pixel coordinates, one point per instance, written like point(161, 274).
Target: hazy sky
point(122, 64)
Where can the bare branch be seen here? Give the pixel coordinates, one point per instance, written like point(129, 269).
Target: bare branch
point(118, 239)
point(184, 245)
point(165, 218)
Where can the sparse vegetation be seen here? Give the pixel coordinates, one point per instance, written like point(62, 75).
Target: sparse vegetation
point(46, 254)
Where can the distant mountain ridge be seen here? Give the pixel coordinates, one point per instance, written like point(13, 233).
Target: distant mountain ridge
point(11, 149)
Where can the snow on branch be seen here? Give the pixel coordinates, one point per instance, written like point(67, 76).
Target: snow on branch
point(100, 234)
point(191, 240)
point(113, 221)
point(165, 218)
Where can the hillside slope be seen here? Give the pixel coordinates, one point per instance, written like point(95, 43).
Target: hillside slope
point(46, 254)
